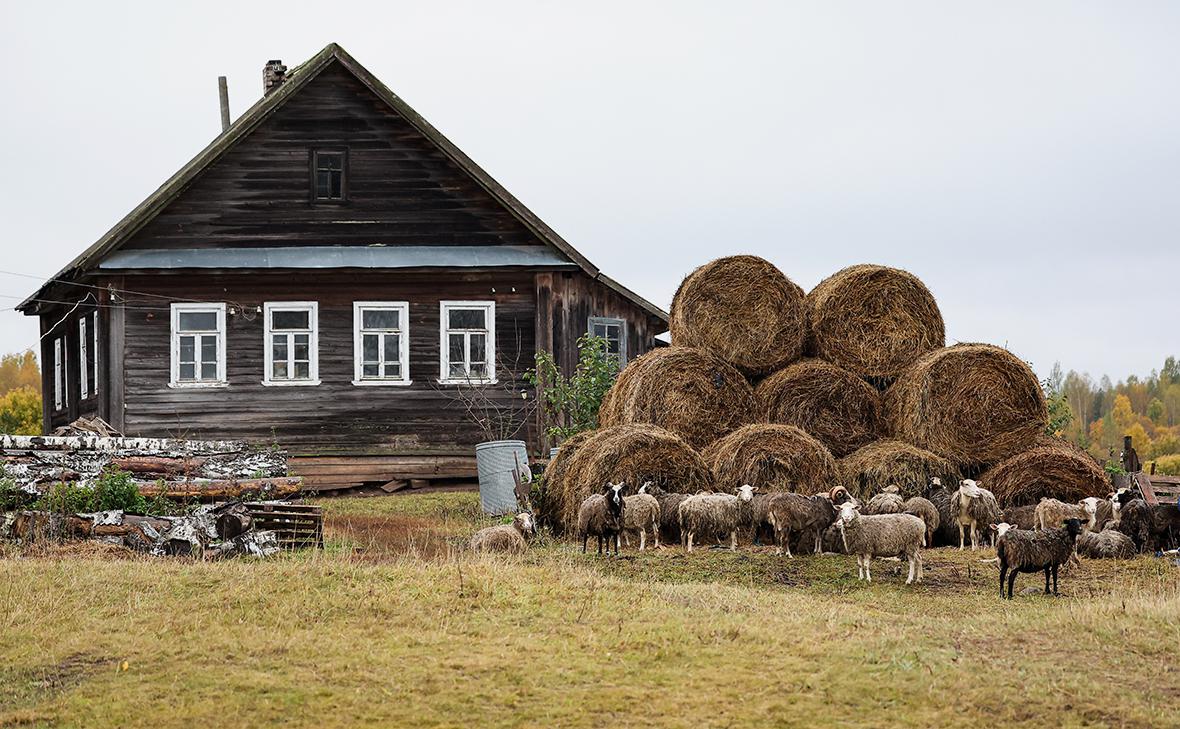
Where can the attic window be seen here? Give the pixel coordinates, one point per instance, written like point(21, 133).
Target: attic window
point(327, 179)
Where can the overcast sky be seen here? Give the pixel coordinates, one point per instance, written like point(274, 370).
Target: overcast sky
point(1022, 158)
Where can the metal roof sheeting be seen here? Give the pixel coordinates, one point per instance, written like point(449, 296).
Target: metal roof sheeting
point(338, 257)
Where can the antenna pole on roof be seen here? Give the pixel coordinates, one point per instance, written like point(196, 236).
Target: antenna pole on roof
point(223, 92)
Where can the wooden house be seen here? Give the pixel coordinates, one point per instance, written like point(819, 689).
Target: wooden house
point(332, 275)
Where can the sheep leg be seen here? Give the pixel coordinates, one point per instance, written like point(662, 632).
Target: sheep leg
point(689, 537)
point(733, 541)
point(961, 536)
point(627, 539)
point(868, 567)
point(860, 568)
point(974, 537)
point(1003, 574)
point(921, 569)
point(1055, 579)
point(785, 543)
point(909, 580)
point(1011, 583)
point(585, 538)
point(1047, 580)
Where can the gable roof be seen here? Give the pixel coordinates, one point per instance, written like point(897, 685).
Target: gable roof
point(295, 80)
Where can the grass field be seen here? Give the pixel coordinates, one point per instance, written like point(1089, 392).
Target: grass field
point(392, 626)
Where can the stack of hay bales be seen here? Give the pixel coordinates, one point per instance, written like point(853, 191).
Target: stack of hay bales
point(850, 384)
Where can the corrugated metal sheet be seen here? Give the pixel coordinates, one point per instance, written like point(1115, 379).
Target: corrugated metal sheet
point(339, 257)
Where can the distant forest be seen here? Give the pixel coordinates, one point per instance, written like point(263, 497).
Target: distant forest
point(1096, 415)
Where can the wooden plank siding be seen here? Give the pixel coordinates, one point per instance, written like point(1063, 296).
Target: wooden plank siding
point(401, 188)
point(335, 417)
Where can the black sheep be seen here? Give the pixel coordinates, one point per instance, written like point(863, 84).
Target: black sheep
point(1024, 550)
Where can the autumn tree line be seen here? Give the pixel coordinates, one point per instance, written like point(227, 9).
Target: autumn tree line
point(20, 394)
point(1096, 415)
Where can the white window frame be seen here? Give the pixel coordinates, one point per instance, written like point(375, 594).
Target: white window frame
point(444, 369)
point(222, 355)
point(612, 321)
point(94, 343)
point(60, 379)
point(83, 370)
point(358, 309)
point(313, 342)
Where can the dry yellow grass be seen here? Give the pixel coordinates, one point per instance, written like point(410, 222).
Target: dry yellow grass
point(343, 638)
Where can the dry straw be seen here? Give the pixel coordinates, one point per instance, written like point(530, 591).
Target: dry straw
point(835, 406)
point(973, 404)
point(894, 463)
point(691, 392)
point(771, 458)
point(1053, 468)
point(873, 320)
point(629, 453)
point(743, 309)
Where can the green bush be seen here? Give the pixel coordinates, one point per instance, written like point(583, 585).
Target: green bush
point(113, 490)
point(570, 404)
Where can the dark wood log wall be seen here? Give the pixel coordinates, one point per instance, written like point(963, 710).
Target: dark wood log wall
point(565, 303)
point(335, 416)
point(401, 189)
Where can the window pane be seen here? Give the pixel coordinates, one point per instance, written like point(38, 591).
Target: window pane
point(279, 371)
point(455, 350)
point(391, 348)
point(321, 185)
point(209, 348)
point(370, 346)
point(370, 370)
point(198, 321)
point(380, 319)
point(302, 371)
point(208, 370)
point(456, 371)
point(393, 370)
point(188, 349)
point(466, 318)
point(478, 349)
point(280, 346)
point(478, 370)
point(188, 371)
point(301, 346)
point(290, 320)
point(335, 185)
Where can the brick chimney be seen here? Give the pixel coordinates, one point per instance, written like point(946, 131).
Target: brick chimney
point(273, 75)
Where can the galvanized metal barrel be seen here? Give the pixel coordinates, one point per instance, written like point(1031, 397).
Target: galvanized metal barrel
point(494, 462)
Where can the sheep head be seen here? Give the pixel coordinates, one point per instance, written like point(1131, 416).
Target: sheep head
point(614, 496)
point(891, 489)
point(524, 523)
point(970, 488)
point(1000, 529)
point(745, 492)
point(839, 495)
point(848, 512)
point(1073, 527)
point(644, 487)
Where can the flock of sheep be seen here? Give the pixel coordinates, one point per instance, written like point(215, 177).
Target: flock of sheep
point(1027, 539)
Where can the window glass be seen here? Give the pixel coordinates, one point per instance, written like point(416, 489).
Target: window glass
point(380, 319)
point(466, 319)
point(290, 320)
point(198, 321)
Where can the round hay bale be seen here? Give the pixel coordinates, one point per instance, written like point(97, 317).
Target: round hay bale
point(873, 320)
point(771, 458)
point(833, 405)
point(691, 392)
point(556, 475)
point(973, 404)
point(743, 309)
point(1053, 468)
point(632, 454)
point(869, 470)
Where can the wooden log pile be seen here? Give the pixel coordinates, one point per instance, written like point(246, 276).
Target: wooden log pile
point(205, 470)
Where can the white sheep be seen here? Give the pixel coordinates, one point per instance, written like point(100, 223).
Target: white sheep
point(642, 512)
point(710, 514)
point(511, 538)
point(1050, 513)
point(882, 535)
point(973, 507)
